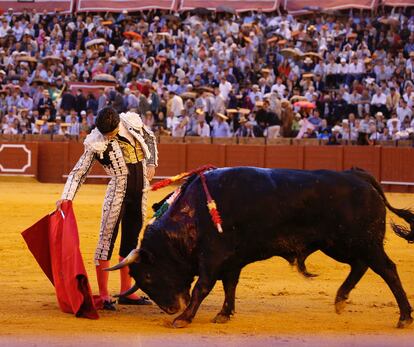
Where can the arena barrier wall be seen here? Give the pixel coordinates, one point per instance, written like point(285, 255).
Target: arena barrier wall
point(51, 161)
point(19, 159)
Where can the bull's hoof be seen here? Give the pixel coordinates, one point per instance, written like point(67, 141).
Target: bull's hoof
point(309, 274)
point(220, 318)
point(180, 323)
point(340, 306)
point(402, 323)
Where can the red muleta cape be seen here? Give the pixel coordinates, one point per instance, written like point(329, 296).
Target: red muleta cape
point(54, 242)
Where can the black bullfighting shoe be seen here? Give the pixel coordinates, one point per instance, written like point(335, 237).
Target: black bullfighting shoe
point(140, 301)
point(109, 305)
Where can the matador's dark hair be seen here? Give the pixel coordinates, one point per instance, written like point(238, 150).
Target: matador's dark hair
point(107, 120)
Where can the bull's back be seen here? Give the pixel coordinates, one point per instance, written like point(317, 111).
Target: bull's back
point(262, 208)
point(247, 189)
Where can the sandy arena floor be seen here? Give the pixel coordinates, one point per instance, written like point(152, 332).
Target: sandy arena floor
point(275, 305)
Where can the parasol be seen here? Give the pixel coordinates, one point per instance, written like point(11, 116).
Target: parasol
point(40, 81)
point(206, 89)
point(103, 77)
point(306, 38)
point(243, 111)
point(132, 35)
point(308, 75)
point(26, 58)
point(171, 17)
point(188, 95)
point(312, 55)
point(51, 59)
point(95, 42)
point(201, 11)
point(291, 53)
point(135, 65)
point(247, 39)
point(296, 98)
point(164, 34)
point(225, 9)
point(392, 21)
point(304, 104)
point(272, 39)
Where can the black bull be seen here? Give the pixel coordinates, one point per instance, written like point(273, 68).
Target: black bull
point(266, 213)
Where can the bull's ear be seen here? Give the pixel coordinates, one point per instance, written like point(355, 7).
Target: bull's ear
point(145, 256)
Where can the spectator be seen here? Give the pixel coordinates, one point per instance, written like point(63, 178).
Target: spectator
point(176, 105)
point(74, 126)
point(378, 102)
point(220, 126)
point(393, 100)
point(403, 111)
point(202, 130)
point(394, 124)
point(179, 126)
point(80, 102)
point(334, 138)
point(364, 66)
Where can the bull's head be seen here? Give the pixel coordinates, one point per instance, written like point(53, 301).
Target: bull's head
point(161, 281)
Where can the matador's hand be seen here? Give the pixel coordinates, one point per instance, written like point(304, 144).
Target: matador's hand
point(150, 172)
point(59, 203)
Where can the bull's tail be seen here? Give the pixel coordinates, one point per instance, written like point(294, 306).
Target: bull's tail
point(406, 214)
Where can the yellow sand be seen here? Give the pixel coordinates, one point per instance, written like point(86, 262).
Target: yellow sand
point(273, 300)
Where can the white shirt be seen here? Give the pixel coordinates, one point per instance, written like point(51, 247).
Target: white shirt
point(221, 129)
point(375, 136)
point(74, 129)
point(179, 127)
point(225, 89)
point(18, 32)
point(234, 28)
point(320, 69)
point(342, 69)
point(331, 69)
point(255, 96)
point(391, 127)
point(279, 88)
point(177, 105)
point(9, 130)
point(354, 98)
point(355, 68)
point(379, 99)
point(204, 130)
point(26, 103)
point(3, 31)
point(404, 112)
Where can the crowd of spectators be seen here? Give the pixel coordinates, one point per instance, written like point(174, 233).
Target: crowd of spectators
point(346, 75)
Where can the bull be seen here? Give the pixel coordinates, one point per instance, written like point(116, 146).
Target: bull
point(265, 213)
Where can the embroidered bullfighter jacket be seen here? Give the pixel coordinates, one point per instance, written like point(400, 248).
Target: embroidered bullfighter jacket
point(110, 155)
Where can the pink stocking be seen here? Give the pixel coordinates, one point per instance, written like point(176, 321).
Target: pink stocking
point(102, 277)
point(126, 280)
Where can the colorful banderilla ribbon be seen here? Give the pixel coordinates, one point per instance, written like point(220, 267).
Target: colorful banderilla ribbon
point(211, 204)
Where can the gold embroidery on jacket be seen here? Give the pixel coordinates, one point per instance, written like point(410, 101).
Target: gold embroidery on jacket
point(132, 155)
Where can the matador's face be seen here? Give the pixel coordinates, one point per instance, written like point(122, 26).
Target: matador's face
point(112, 134)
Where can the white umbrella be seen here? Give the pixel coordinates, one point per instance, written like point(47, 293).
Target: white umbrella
point(95, 42)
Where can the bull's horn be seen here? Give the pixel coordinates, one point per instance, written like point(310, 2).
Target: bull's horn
point(130, 291)
point(132, 257)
